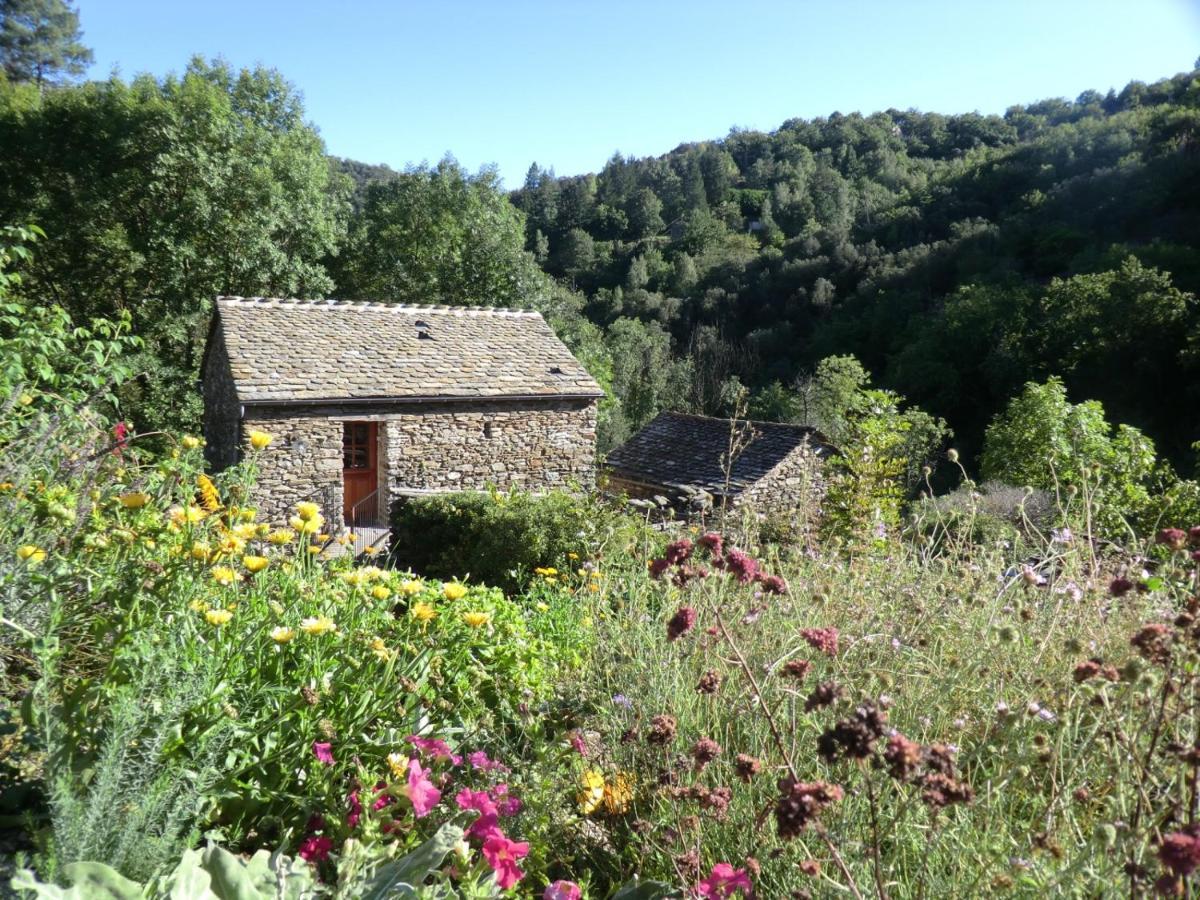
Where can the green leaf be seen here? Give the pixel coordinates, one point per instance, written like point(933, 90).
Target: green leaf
point(189, 881)
point(645, 890)
point(231, 879)
point(400, 878)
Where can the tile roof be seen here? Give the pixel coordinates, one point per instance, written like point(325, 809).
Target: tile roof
point(676, 449)
point(328, 350)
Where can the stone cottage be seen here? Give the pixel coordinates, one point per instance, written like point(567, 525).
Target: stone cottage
point(776, 467)
point(370, 402)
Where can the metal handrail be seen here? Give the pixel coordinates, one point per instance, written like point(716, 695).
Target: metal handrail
point(354, 509)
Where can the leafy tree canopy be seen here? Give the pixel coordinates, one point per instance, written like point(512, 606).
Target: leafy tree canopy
point(40, 41)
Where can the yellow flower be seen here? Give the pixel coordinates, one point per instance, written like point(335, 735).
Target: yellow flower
point(322, 538)
point(370, 551)
point(31, 554)
point(225, 575)
point(408, 587)
point(306, 526)
point(586, 621)
point(255, 563)
point(200, 551)
point(477, 619)
point(189, 442)
point(398, 763)
point(454, 590)
point(209, 498)
point(134, 499)
point(231, 543)
point(247, 531)
point(186, 515)
point(591, 791)
point(542, 607)
point(381, 592)
point(281, 536)
point(593, 587)
point(198, 605)
point(217, 617)
point(318, 625)
point(25, 399)
point(6, 485)
point(379, 648)
point(314, 550)
point(246, 514)
point(550, 579)
point(276, 607)
point(618, 793)
point(308, 510)
point(595, 573)
point(545, 570)
point(281, 634)
point(260, 440)
point(422, 612)
point(353, 578)
point(572, 556)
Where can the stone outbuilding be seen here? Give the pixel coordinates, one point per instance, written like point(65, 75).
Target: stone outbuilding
point(776, 468)
point(371, 402)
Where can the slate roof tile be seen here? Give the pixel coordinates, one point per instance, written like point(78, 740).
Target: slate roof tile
point(677, 449)
point(315, 350)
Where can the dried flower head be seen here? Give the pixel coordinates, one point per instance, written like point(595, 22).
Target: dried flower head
point(823, 639)
point(705, 751)
point(1153, 642)
point(903, 757)
point(709, 683)
point(854, 737)
point(797, 668)
point(678, 551)
point(800, 803)
point(662, 730)
point(824, 694)
point(681, 623)
point(747, 767)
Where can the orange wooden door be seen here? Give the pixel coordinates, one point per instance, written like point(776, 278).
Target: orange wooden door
point(359, 474)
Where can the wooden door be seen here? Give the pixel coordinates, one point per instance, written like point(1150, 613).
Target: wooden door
point(359, 474)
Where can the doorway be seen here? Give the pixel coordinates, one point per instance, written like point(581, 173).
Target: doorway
point(360, 479)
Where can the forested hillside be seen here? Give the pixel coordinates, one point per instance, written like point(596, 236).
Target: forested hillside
point(957, 256)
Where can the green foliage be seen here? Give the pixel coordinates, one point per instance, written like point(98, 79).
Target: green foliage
point(957, 256)
point(40, 41)
point(503, 538)
point(1043, 440)
point(438, 235)
point(157, 195)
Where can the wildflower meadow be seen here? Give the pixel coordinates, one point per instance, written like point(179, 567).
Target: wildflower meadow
point(992, 694)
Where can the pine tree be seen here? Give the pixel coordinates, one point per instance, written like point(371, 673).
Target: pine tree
point(40, 41)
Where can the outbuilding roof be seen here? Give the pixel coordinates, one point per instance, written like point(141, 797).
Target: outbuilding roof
point(312, 351)
point(680, 450)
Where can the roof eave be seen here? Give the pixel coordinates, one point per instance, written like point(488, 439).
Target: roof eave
point(415, 399)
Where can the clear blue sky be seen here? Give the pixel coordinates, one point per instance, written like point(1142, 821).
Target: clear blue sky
point(567, 83)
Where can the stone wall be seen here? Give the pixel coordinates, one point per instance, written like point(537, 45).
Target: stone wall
point(794, 488)
point(304, 462)
point(221, 408)
point(436, 447)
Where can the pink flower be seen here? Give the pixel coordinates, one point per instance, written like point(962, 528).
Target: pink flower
point(502, 855)
point(823, 639)
point(657, 567)
point(578, 744)
point(713, 543)
point(725, 881)
point(678, 551)
point(681, 623)
point(323, 752)
point(420, 790)
point(315, 848)
point(435, 747)
point(355, 807)
point(479, 760)
point(506, 804)
point(562, 890)
point(489, 816)
point(741, 566)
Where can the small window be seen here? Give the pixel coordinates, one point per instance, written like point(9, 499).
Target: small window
point(487, 430)
point(356, 445)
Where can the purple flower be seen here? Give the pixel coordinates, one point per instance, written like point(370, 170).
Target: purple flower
point(323, 751)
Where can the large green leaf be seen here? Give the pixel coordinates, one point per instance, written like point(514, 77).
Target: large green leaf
point(401, 877)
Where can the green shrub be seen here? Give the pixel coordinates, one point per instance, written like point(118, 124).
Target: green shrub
point(502, 538)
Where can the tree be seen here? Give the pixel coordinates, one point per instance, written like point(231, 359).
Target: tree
point(156, 196)
point(439, 235)
point(645, 214)
point(1043, 440)
point(40, 41)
